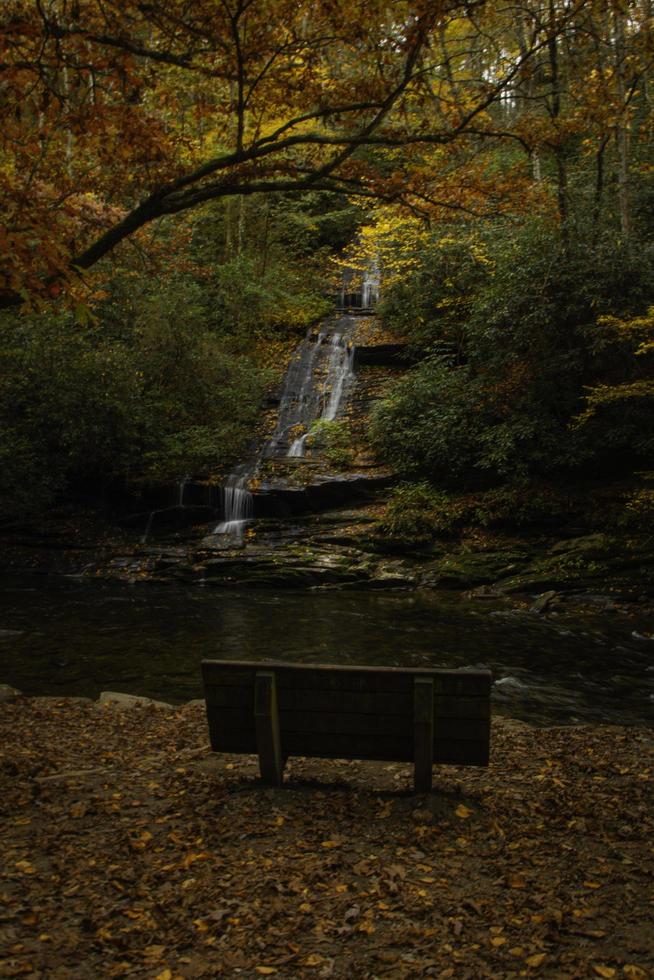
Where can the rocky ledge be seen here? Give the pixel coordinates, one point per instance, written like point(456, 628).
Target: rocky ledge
point(344, 550)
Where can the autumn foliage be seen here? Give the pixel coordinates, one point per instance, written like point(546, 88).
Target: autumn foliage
point(116, 114)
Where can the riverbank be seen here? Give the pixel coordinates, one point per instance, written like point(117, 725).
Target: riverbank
point(132, 850)
point(344, 548)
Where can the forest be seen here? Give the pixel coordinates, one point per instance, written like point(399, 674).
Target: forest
point(179, 187)
point(326, 337)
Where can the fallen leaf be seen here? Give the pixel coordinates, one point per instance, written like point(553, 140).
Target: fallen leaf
point(25, 867)
point(536, 960)
point(603, 971)
point(463, 811)
point(314, 959)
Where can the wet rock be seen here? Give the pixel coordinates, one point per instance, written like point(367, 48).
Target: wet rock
point(381, 354)
point(509, 685)
point(120, 700)
point(544, 601)
point(484, 592)
point(469, 571)
point(588, 544)
point(8, 693)
point(280, 499)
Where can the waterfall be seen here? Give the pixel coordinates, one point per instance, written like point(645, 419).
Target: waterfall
point(148, 526)
point(238, 502)
point(297, 394)
point(297, 446)
point(181, 487)
point(338, 376)
point(318, 380)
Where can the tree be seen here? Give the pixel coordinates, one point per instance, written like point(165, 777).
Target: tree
point(114, 114)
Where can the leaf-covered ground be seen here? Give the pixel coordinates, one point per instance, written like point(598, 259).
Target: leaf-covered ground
point(129, 849)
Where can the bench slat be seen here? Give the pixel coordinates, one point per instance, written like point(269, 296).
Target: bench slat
point(347, 723)
point(362, 702)
point(332, 678)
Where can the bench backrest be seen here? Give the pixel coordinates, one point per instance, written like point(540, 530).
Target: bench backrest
point(350, 712)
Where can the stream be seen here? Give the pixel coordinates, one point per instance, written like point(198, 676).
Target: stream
point(67, 636)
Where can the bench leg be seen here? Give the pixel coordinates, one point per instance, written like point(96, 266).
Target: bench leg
point(266, 722)
point(423, 733)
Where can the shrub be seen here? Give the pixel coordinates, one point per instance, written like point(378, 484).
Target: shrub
point(332, 438)
point(418, 512)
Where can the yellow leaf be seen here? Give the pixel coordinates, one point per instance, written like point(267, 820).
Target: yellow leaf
point(266, 970)
point(164, 975)
point(330, 843)
point(536, 960)
point(631, 970)
point(315, 959)
point(592, 884)
point(498, 940)
point(463, 811)
point(25, 867)
point(603, 971)
point(191, 858)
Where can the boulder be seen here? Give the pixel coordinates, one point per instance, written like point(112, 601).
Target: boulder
point(9, 693)
point(543, 601)
point(120, 700)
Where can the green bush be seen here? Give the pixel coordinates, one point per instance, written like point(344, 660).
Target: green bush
point(516, 358)
point(332, 438)
point(418, 512)
point(150, 391)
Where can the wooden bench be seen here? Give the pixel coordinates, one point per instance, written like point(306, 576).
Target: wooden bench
point(394, 714)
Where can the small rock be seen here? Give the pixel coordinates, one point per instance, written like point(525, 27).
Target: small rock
point(9, 693)
point(131, 701)
point(510, 684)
point(543, 601)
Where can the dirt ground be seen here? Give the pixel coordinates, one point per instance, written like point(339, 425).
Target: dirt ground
point(129, 849)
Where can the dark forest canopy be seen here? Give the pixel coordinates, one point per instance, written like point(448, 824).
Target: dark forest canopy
point(117, 113)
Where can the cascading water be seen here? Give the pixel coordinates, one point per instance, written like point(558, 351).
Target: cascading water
point(327, 396)
point(181, 487)
point(297, 392)
point(317, 382)
point(238, 502)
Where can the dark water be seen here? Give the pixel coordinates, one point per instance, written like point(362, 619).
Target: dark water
point(70, 637)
